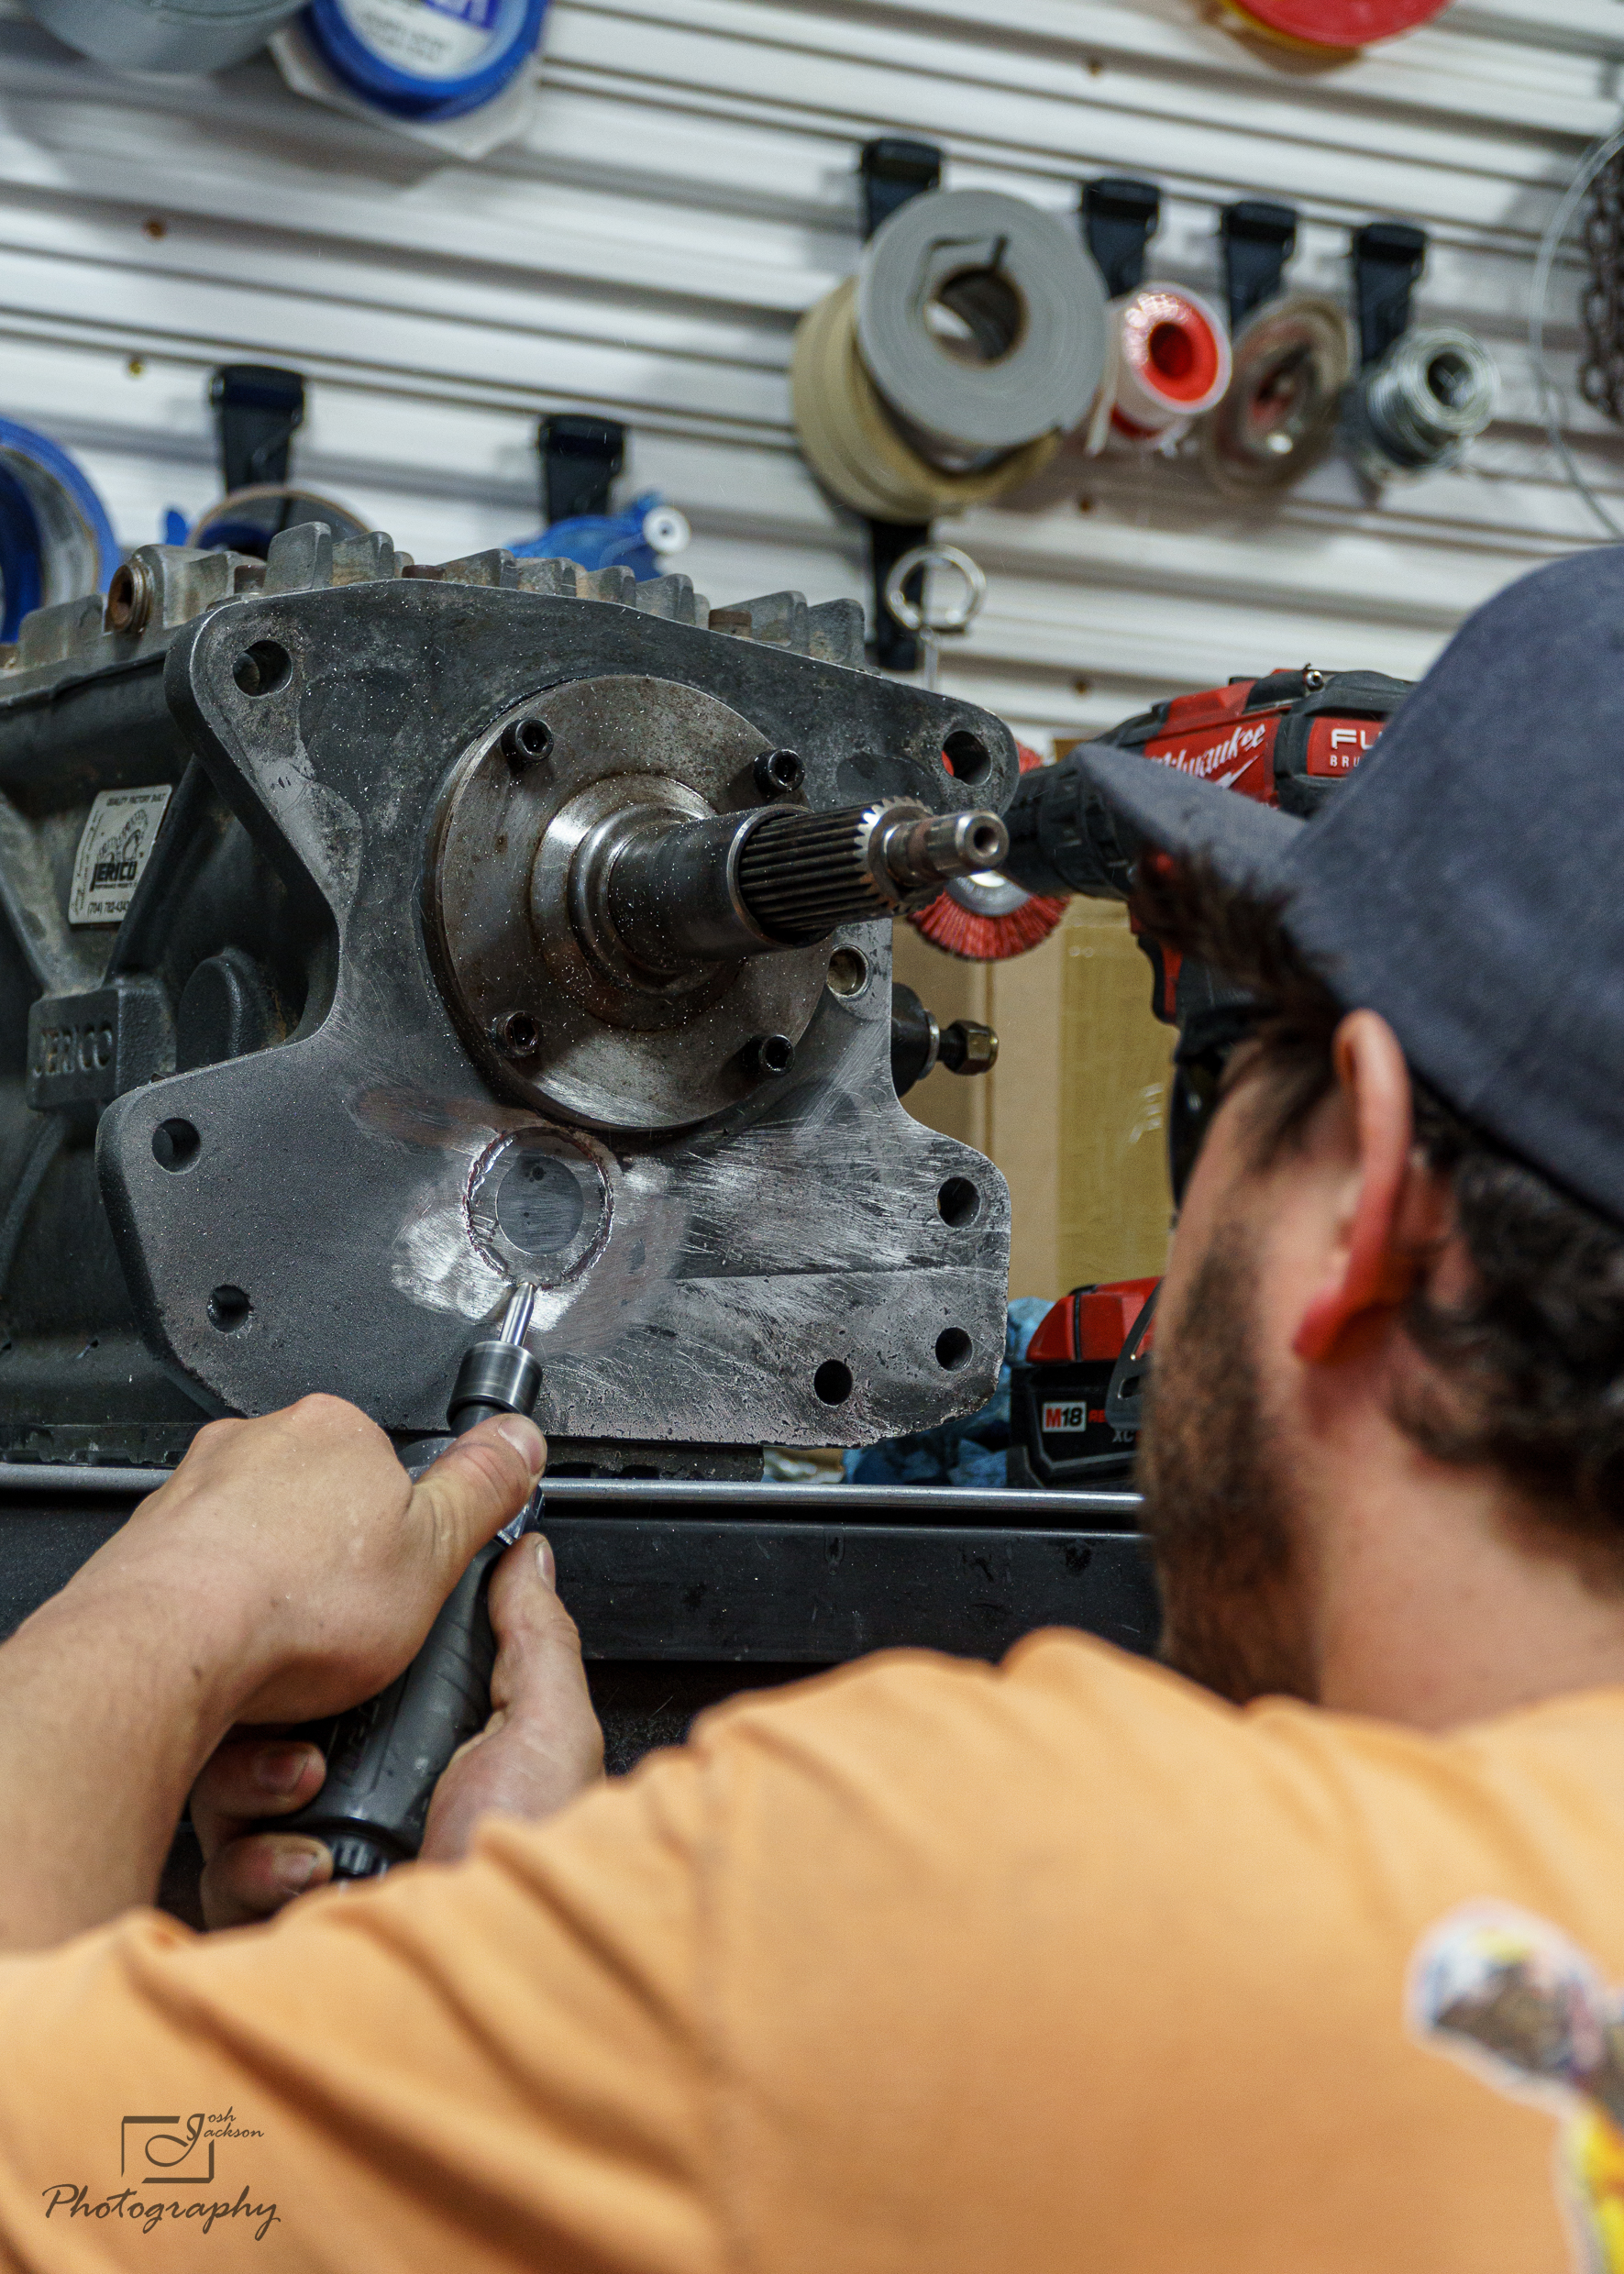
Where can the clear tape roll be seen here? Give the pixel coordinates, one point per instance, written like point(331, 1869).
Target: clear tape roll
point(181, 35)
point(853, 443)
point(981, 319)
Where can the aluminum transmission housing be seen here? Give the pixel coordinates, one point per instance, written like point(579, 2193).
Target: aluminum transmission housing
point(304, 1058)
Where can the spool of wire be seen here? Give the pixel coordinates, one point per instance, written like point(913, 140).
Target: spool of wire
point(1421, 404)
point(1169, 362)
point(948, 371)
point(164, 35)
point(425, 60)
point(56, 542)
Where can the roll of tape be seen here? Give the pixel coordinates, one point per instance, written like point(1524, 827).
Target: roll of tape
point(1431, 393)
point(1170, 359)
point(854, 446)
point(246, 520)
point(426, 58)
point(164, 35)
point(56, 542)
point(1335, 26)
point(981, 320)
point(1278, 416)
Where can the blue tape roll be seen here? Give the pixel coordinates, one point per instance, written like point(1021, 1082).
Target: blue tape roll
point(56, 541)
point(426, 58)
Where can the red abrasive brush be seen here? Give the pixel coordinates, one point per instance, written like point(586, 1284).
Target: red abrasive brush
point(984, 919)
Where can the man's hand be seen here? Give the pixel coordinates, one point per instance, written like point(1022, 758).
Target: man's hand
point(302, 1531)
point(289, 1568)
point(541, 1745)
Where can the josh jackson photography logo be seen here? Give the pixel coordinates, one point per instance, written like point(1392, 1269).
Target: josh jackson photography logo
point(167, 2166)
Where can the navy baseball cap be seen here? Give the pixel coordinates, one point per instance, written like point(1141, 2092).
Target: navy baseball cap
point(1468, 883)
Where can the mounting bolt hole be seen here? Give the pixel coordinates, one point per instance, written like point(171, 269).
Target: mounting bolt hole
point(526, 742)
point(262, 669)
point(175, 1145)
point(832, 1382)
point(959, 1203)
point(229, 1309)
point(848, 973)
point(952, 1347)
point(969, 758)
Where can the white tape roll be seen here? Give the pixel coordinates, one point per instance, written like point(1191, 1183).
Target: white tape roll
point(982, 320)
point(1170, 361)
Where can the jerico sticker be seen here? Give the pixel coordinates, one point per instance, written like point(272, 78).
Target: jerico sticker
point(116, 845)
point(429, 38)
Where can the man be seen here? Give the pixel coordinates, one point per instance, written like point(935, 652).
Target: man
point(1074, 1963)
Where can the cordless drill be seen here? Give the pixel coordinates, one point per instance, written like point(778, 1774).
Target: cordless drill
point(385, 1757)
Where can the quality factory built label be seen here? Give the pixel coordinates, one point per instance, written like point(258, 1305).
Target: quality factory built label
point(115, 848)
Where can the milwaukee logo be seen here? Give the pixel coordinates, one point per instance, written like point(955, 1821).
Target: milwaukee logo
point(1242, 745)
point(1058, 1419)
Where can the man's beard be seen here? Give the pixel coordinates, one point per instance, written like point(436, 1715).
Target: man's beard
point(1216, 1502)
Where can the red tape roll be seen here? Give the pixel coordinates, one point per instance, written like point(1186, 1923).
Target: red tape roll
point(1337, 23)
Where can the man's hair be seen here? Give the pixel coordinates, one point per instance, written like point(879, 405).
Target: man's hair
point(1529, 1369)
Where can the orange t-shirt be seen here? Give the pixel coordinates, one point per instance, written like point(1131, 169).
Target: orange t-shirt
point(925, 1965)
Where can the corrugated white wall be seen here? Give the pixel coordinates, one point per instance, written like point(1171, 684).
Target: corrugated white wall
point(688, 188)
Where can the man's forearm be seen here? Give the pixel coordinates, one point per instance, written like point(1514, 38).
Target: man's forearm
point(112, 1696)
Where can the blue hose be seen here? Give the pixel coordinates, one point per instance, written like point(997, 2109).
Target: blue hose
point(56, 541)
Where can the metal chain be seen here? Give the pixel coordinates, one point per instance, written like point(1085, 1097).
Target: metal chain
point(1601, 375)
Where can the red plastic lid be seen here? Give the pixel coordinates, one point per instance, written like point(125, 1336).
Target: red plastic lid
point(1338, 23)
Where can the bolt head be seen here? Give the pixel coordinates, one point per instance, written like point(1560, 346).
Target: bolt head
point(526, 742)
point(515, 1034)
point(779, 773)
point(769, 1058)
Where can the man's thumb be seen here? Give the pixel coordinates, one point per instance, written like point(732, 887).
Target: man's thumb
point(469, 1493)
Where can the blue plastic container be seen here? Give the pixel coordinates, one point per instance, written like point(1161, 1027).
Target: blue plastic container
point(56, 542)
point(632, 539)
point(426, 58)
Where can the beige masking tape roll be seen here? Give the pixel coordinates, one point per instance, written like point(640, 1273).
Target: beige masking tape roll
point(851, 443)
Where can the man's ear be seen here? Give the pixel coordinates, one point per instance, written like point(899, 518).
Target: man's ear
point(1371, 1266)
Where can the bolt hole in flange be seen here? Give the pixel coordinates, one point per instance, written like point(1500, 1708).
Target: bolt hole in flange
point(229, 1309)
point(262, 669)
point(175, 1145)
point(959, 1203)
point(848, 973)
point(953, 1349)
point(832, 1382)
point(969, 758)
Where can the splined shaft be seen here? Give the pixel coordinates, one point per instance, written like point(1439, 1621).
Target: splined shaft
point(669, 892)
point(800, 875)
